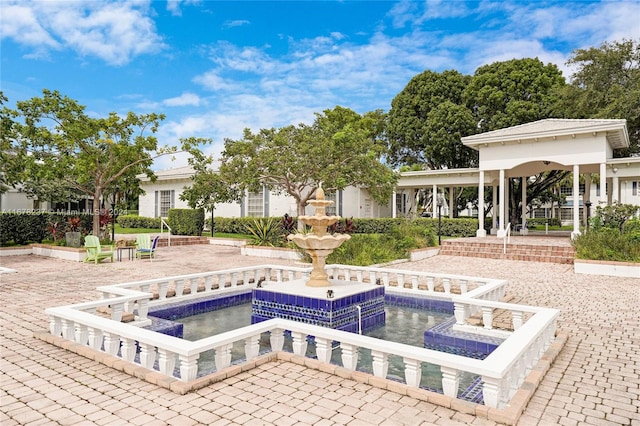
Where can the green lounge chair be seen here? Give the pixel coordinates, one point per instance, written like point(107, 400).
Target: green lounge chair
point(144, 249)
point(95, 252)
point(143, 242)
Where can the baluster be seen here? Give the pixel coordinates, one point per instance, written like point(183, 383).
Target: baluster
point(166, 361)
point(385, 279)
point(128, 351)
point(163, 287)
point(193, 285)
point(252, 347)
point(147, 355)
point(188, 367)
point(246, 278)
point(360, 276)
point(82, 334)
point(461, 312)
point(349, 356)
point(234, 279)
point(414, 282)
point(412, 372)
point(446, 283)
point(323, 350)
point(516, 319)
point(487, 317)
point(279, 276)
point(450, 381)
point(179, 283)
point(129, 306)
point(277, 339)
point(95, 338)
point(347, 274)
point(267, 275)
point(291, 275)
point(208, 283)
point(299, 343)
point(463, 286)
point(116, 311)
point(491, 391)
point(431, 284)
point(223, 356)
point(143, 309)
point(55, 326)
point(380, 363)
point(68, 329)
point(111, 343)
point(372, 277)
point(400, 279)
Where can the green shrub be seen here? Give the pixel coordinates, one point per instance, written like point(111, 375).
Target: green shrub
point(186, 221)
point(608, 244)
point(266, 232)
point(24, 228)
point(133, 221)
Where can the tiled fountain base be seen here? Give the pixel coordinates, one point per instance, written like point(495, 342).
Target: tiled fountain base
point(352, 307)
point(443, 338)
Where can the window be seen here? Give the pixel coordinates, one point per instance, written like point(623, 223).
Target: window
point(166, 202)
point(568, 190)
point(331, 210)
point(255, 203)
point(634, 187)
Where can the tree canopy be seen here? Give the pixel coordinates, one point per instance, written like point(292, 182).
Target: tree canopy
point(606, 84)
point(427, 119)
point(341, 148)
point(90, 155)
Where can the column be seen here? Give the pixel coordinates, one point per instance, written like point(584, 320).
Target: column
point(394, 204)
point(502, 194)
point(434, 200)
point(523, 217)
point(494, 210)
point(451, 201)
point(481, 232)
point(615, 187)
point(603, 183)
point(576, 201)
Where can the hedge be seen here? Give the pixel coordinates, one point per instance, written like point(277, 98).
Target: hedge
point(186, 221)
point(24, 228)
point(134, 221)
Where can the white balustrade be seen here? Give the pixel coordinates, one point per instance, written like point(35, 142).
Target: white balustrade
point(502, 372)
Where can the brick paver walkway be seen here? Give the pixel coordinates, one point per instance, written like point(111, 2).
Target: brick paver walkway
point(595, 380)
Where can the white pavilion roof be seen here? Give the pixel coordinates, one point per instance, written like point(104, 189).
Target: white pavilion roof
point(616, 131)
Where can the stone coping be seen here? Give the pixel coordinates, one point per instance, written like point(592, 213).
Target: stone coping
point(606, 267)
point(508, 415)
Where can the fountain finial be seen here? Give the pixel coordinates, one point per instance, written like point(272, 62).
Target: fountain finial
point(320, 193)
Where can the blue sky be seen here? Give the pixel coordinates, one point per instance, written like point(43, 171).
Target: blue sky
point(216, 67)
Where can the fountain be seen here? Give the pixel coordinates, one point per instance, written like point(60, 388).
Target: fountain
point(343, 305)
point(319, 244)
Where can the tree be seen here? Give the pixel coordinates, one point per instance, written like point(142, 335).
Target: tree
point(89, 154)
point(606, 84)
point(13, 150)
point(209, 187)
point(505, 94)
point(340, 149)
point(428, 118)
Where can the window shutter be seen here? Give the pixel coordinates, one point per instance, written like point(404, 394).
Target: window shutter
point(173, 199)
point(155, 209)
point(265, 210)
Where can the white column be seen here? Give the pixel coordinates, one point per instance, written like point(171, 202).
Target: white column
point(494, 210)
point(615, 188)
point(524, 202)
point(576, 201)
point(434, 200)
point(507, 197)
point(481, 232)
point(502, 209)
point(394, 213)
point(603, 183)
point(451, 196)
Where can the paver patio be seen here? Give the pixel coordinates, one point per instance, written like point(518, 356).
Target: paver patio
point(595, 380)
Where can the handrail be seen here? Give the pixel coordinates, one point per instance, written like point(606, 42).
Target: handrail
point(507, 238)
point(162, 225)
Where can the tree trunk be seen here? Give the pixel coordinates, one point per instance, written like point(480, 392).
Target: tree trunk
point(96, 211)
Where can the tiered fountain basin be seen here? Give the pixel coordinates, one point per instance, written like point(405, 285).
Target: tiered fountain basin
point(342, 306)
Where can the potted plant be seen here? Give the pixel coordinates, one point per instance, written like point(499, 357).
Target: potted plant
point(73, 234)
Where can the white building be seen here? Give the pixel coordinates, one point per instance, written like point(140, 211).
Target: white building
point(164, 194)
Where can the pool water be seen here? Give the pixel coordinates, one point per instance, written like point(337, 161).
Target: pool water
point(403, 325)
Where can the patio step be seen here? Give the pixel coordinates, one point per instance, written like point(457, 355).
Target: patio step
point(179, 240)
point(528, 252)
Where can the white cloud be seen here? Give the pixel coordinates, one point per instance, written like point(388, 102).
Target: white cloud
point(236, 23)
point(186, 99)
point(113, 32)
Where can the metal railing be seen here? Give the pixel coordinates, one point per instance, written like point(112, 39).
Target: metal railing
point(162, 225)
